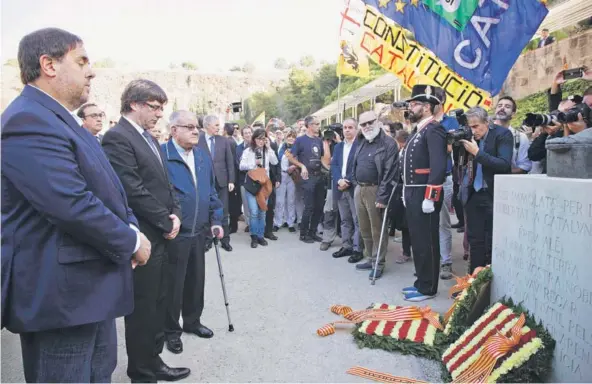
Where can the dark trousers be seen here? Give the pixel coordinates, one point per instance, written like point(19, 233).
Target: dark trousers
point(457, 204)
point(186, 280)
point(270, 212)
point(425, 240)
point(144, 328)
point(81, 354)
point(479, 211)
point(234, 207)
point(223, 195)
point(314, 200)
point(406, 242)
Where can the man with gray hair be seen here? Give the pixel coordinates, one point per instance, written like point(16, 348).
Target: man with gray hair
point(490, 153)
point(136, 157)
point(219, 149)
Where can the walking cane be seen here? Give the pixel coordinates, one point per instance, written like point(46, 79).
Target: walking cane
point(216, 240)
point(382, 233)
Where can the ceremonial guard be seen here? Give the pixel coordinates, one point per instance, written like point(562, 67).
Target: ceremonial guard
point(424, 172)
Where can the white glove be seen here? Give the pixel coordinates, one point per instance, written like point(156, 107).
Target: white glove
point(427, 206)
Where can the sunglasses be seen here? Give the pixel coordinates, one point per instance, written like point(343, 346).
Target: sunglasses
point(367, 123)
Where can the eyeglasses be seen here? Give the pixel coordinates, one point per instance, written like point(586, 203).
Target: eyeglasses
point(155, 107)
point(95, 115)
point(188, 127)
point(367, 123)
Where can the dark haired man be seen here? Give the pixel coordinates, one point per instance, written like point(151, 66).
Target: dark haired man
point(69, 238)
point(92, 119)
point(504, 112)
point(136, 157)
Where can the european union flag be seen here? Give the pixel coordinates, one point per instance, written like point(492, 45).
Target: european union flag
point(482, 49)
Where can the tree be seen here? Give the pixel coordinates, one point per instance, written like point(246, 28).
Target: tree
point(104, 63)
point(175, 105)
point(12, 62)
point(281, 63)
point(307, 61)
point(249, 67)
point(189, 65)
point(236, 68)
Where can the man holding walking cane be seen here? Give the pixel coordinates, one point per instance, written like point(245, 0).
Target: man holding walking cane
point(191, 173)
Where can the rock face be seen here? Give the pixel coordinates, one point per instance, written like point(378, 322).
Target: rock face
point(200, 92)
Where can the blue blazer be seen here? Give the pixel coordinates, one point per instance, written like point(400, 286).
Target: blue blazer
point(337, 164)
point(66, 235)
point(200, 207)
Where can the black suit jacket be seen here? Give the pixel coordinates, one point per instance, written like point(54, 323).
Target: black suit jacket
point(547, 41)
point(144, 178)
point(224, 161)
point(495, 158)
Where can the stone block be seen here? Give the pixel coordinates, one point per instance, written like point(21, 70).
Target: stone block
point(542, 237)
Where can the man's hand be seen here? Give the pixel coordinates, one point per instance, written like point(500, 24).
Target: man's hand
point(304, 173)
point(176, 227)
point(471, 146)
point(277, 184)
point(219, 229)
point(342, 184)
point(427, 206)
point(558, 79)
point(552, 128)
point(576, 126)
point(230, 187)
point(337, 138)
point(143, 253)
point(380, 205)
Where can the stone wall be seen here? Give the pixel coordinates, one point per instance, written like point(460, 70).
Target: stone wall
point(534, 71)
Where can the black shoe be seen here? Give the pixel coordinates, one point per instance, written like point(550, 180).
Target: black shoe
point(254, 242)
point(165, 373)
point(343, 252)
point(208, 246)
point(458, 225)
point(317, 238)
point(367, 266)
point(275, 228)
point(391, 233)
point(175, 345)
point(227, 247)
point(285, 225)
point(270, 236)
point(306, 239)
point(292, 229)
point(247, 229)
point(355, 258)
point(201, 331)
point(262, 241)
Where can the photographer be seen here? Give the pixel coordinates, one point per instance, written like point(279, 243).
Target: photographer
point(332, 136)
point(490, 151)
point(504, 112)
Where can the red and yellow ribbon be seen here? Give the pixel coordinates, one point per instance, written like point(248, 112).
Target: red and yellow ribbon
point(462, 283)
point(380, 376)
point(496, 347)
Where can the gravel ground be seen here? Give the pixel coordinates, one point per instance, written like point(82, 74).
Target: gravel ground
point(279, 295)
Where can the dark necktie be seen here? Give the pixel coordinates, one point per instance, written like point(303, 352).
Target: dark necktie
point(148, 138)
point(212, 146)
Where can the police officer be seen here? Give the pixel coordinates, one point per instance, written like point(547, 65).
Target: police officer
point(310, 153)
point(424, 171)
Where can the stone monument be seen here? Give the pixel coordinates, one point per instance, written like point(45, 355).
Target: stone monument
point(542, 257)
point(570, 156)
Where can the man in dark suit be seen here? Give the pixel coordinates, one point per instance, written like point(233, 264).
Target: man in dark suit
point(192, 175)
point(234, 197)
point(275, 175)
point(92, 119)
point(546, 39)
point(69, 238)
point(342, 166)
point(220, 151)
point(136, 157)
point(490, 150)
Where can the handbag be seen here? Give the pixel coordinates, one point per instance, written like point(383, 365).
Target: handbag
point(252, 186)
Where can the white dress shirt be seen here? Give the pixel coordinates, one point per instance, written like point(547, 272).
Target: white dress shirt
point(346, 150)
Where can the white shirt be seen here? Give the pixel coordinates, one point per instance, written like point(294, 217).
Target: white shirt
point(249, 161)
point(520, 155)
point(346, 150)
point(188, 158)
point(209, 141)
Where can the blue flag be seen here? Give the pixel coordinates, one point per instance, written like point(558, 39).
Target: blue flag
point(484, 49)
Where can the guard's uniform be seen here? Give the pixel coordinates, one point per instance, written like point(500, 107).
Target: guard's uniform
point(424, 171)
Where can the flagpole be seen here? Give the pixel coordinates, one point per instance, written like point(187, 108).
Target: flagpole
point(339, 117)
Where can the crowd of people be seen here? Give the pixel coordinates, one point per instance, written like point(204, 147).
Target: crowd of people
point(96, 227)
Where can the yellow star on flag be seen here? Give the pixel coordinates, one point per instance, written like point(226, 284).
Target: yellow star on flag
point(400, 5)
point(544, 2)
point(416, 2)
point(383, 3)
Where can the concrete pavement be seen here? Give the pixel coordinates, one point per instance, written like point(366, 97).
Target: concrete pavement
point(279, 295)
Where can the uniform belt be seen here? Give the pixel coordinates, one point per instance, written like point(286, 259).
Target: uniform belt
point(367, 184)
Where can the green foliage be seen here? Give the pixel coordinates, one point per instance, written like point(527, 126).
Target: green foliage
point(175, 107)
point(104, 63)
point(538, 102)
point(189, 66)
point(404, 347)
point(12, 62)
point(307, 61)
point(236, 68)
point(533, 44)
point(281, 63)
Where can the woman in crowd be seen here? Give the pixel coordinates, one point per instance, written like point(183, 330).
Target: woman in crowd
point(258, 155)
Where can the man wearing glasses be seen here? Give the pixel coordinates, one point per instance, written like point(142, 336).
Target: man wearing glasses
point(192, 174)
point(92, 119)
point(138, 161)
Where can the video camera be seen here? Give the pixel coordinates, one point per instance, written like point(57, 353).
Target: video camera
point(571, 116)
point(332, 130)
point(463, 132)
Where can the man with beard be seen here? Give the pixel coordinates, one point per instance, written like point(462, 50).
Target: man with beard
point(424, 172)
point(373, 174)
point(504, 112)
